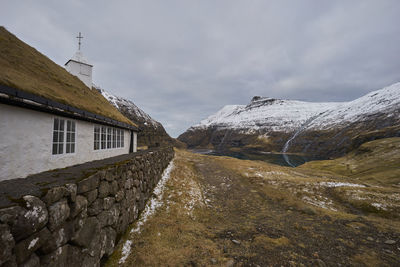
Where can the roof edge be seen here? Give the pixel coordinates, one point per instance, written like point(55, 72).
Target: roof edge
point(78, 62)
point(16, 97)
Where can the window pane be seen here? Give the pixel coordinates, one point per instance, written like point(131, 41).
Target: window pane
point(55, 137)
point(122, 138)
point(67, 150)
point(55, 146)
point(72, 148)
point(60, 149)
point(68, 137)
point(73, 126)
point(61, 137)
point(73, 137)
point(69, 126)
point(55, 124)
point(61, 125)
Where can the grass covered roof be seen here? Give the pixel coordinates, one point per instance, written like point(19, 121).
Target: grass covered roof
point(26, 69)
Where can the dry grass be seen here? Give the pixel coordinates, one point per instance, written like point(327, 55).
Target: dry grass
point(376, 162)
point(24, 68)
point(221, 211)
point(176, 234)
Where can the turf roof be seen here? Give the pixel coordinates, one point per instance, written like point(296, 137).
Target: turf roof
point(25, 68)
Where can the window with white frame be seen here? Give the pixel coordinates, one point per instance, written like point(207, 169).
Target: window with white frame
point(114, 138)
point(118, 137)
point(96, 135)
point(70, 142)
point(63, 136)
point(107, 137)
point(122, 138)
point(103, 137)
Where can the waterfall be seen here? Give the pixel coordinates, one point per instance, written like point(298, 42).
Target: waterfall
point(223, 140)
point(301, 128)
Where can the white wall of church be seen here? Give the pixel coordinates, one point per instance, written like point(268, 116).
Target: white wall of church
point(26, 143)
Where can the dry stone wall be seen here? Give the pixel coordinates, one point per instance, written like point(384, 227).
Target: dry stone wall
point(75, 216)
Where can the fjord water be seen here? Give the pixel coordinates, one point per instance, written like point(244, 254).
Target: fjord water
point(274, 158)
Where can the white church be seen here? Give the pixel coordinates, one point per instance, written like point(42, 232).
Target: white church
point(39, 134)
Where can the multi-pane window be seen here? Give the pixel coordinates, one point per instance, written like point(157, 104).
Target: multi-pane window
point(114, 138)
point(96, 144)
point(108, 137)
point(64, 131)
point(109, 140)
point(118, 137)
point(103, 137)
point(58, 136)
point(122, 138)
point(70, 144)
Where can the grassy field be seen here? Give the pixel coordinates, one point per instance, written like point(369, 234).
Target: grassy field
point(24, 68)
point(228, 212)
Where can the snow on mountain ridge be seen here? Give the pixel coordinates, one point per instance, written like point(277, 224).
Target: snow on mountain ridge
point(288, 115)
point(119, 102)
point(384, 100)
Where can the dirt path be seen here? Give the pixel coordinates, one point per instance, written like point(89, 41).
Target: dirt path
point(214, 214)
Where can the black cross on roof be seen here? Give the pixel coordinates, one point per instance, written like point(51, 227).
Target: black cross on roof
point(79, 40)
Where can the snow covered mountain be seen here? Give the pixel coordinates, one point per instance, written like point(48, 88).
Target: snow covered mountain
point(152, 132)
point(321, 129)
point(265, 113)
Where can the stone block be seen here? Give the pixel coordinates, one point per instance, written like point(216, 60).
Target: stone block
point(102, 174)
point(6, 244)
point(26, 247)
point(108, 202)
point(110, 175)
point(31, 219)
point(78, 206)
point(136, 183)
point(108, 217)
point(104, 189)
point(58, 258)
point(55, 194)
point(96, 207)
point(72, 191)
point(59, 237)
point(91, 196)
point(114, 187)
point(88, 184)
point(108, 239)
point(90, 229)
point(33, 261)
point(58, 213)
point(119, 195)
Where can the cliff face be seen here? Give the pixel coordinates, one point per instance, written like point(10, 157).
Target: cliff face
point(152, 133)
point(316, 129)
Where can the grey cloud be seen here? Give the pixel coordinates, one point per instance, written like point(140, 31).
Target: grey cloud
point(181, 61)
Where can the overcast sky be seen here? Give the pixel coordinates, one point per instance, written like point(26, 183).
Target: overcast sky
point(181, 61)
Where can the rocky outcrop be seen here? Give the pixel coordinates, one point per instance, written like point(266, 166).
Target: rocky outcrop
point(74, 216)
point(320, 130)
point(152, 133)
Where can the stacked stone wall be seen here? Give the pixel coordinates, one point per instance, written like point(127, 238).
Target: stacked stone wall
point(75, 216)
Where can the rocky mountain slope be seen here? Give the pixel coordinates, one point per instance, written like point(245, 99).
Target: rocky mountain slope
point(152, 132)
point(318, 129)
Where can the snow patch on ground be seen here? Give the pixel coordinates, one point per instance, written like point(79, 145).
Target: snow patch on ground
point(324, 202)
point(155, 202)
point(340, 184)
point(195, 197)
point(126, 250)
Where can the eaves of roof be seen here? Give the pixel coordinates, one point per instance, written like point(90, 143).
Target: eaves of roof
point(15, 97)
